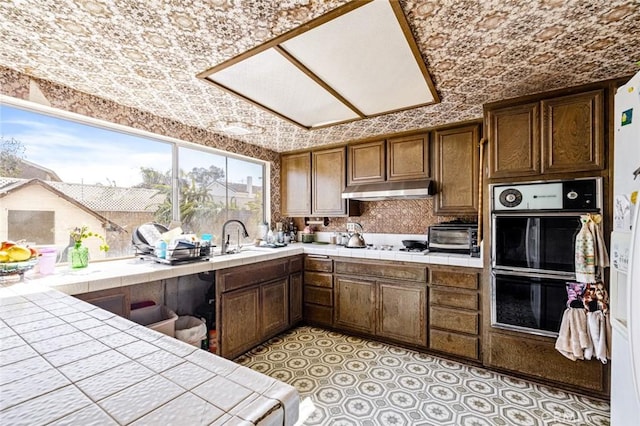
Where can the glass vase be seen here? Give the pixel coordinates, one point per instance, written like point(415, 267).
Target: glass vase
point(78, 256)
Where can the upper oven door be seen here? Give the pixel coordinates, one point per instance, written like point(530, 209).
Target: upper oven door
point(535, 242)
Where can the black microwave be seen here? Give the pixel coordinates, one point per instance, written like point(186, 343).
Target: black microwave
point(454, 238)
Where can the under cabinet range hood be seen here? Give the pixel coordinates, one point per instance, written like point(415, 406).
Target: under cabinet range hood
point(406, 190)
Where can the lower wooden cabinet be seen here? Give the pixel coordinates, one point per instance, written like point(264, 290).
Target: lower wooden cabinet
point(454, 312)
point(375, 305)
point(355, 307)
point(295, 298)
point(274, 307)
point(240, 327)
point(115, 300)
point(318, 290)
point(536, 357)
point(253, 304)
point(402, 308)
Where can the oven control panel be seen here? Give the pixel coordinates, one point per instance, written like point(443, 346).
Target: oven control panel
point(570, 195)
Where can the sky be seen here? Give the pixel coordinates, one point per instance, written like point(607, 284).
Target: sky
point(80, 153)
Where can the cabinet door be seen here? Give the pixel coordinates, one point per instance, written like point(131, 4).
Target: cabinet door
point(456, 171)
point(408, 157)
point(573, 133)
point(240, 328)
point(402, 312)
point(295, 298)
point(354, 307)
point(274, 307)
point(366, 163)
point(295, 184)
point(514, 141)
point(328, 182)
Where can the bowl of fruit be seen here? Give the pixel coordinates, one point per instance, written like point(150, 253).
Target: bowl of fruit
point(16, 259)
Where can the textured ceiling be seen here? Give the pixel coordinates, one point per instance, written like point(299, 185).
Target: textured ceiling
point(146, 54)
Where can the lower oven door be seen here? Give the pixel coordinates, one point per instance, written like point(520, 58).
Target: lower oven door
point(530, 303)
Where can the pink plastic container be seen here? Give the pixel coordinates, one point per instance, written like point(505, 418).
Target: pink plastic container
point(47, 260)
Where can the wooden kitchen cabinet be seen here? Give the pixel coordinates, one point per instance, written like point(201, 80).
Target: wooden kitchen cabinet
point(295, 183)
point(355, 307)
point(454, 311)
point(563, 134)
point(240, 326)
point(402, 309)
point(573, 133)
point(456, 170)
point(312, 183)
point(537, 358)
point(115, 300)
point(514, 140)
point(295, 298)
point(382, 299)
point(328, 182)
point(318, 290)
point(399, 158)
point(366, 163)
point(253, 304)
point(274, 307)
point(408, 157)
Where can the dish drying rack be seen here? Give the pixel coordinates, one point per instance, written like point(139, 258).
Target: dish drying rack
point(182, 253)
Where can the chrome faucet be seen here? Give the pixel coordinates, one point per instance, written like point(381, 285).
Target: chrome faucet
point(225, 244)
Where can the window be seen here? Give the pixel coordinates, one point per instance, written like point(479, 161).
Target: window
point(58, 173)
point(21, 225)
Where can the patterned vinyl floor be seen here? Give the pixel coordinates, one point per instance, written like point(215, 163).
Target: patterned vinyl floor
point(353, 381)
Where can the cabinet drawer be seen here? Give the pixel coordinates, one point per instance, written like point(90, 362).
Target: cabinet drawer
point(318, 295)
point(295, 264)
point(454, 278)
point(454, 299)
point(319, 279)
point(318, 264)
point(316, 314)
point(455, 344)
point(453, 319)
point(244, 276)
point(393, 270)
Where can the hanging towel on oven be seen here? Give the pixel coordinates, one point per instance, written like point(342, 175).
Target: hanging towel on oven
point(573, 339)
point(600, 332)
point(590, 253)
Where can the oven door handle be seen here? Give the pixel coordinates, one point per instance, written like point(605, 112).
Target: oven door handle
point(531, 244)
point(567, 277)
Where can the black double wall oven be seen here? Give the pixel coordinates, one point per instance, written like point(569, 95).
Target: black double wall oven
point(533, 231)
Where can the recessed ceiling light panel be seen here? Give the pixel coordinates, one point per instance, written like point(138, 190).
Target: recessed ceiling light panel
point(357, 61)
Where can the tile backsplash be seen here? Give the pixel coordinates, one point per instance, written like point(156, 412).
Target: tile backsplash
point(390, 217)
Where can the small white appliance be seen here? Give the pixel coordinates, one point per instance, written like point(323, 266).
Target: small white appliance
point(625, 258)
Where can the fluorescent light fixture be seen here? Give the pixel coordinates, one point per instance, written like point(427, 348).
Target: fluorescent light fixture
point(357, 61)
point(237, 128)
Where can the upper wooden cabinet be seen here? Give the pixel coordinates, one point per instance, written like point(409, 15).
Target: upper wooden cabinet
point(312, 183)
point(328, 182)
point(456, 170)
point(393, 159)
point(514, 135)
point(295, 183)
point(556, 135)
point(408, 157)
point(573, 133)
point(366, 163)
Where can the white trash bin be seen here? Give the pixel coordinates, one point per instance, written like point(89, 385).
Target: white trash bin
point(191, 330)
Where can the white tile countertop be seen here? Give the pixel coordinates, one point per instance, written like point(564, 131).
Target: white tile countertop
point(66, 362)
point(119, 273)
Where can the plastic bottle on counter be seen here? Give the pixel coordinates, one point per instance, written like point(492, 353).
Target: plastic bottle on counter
point(161, 249)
